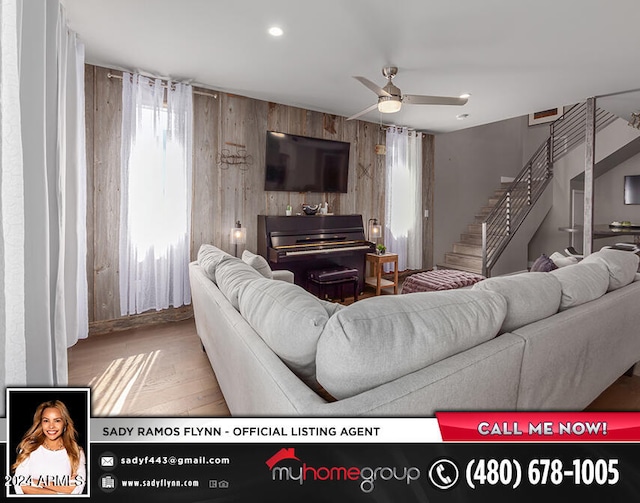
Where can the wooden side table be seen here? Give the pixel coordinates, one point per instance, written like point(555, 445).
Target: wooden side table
point(376, 280)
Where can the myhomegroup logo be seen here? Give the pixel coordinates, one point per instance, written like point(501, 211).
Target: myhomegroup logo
point(301, 472)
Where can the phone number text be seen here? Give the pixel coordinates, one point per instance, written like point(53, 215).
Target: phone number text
point(543, 471)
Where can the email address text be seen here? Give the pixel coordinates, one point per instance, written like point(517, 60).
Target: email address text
point(174, 460)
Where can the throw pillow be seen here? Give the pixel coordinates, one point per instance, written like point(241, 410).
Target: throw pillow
point(258, 262)
point(561, 261)
point(543, 264)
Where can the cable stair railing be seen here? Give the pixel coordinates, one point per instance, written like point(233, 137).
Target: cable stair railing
point(510, 211)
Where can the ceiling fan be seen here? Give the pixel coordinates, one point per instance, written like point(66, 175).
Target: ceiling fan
point(390, 98)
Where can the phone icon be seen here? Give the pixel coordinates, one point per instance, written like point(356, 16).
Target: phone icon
point(443, 474)
point(445, 479)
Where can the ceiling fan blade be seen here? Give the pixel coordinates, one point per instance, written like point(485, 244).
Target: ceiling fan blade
point(365, 111)
point(415, 99)
point(375, 88)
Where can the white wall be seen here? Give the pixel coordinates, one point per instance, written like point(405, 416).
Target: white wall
point(468, 167)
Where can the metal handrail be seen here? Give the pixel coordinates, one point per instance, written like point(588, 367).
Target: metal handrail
point(500, 225)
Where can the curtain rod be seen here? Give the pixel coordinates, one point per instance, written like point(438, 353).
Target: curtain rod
point(164, 84)
point(386, 128)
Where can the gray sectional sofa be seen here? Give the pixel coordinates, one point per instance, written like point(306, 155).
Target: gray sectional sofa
point(529, 341)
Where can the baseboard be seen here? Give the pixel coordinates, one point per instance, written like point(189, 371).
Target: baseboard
point(141, 320)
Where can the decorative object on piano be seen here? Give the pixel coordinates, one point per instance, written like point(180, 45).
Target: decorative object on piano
point(324, 209)
point(288, 211)
point(374, 230)
point(238, 236)
point(310, 209)
point(381, 249)
point(240, 158)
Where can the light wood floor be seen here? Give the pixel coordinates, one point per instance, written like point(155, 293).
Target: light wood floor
point(162, 371)
point(153, 371)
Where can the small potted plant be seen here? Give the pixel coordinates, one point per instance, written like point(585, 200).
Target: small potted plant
point(381, 249)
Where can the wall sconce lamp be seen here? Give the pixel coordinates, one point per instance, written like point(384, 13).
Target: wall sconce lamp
point(238, 236)
point(374, 230)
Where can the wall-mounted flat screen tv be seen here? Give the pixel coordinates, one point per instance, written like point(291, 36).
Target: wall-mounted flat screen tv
point(632, 189)
point(303, 164)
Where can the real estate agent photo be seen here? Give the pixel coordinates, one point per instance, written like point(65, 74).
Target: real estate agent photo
point(49, 458)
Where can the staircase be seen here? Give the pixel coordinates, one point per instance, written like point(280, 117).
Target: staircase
point(486, 238)
point(467, 254)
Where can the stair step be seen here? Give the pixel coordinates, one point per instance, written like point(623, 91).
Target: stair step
point(459, 268)
point(474, 229)
point(471, 239)
point(468, 249)
point(463, 260)
point(515, 197)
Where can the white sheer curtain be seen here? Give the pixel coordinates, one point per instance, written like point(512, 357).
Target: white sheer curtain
point(71, 299)
point(52, 170)
point(12, 330)
point(155, 217)
point(403, 198)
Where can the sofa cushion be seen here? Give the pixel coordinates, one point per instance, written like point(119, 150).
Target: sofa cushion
point(622, 266)
point(530, 296)
point(379, 339)
point(258, 262)
point(209, 257)
point(581, 283)
point(232, 275)
point(289, 319)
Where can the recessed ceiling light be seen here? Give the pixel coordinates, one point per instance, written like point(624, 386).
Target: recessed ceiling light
point(275, 31)
point(465, 95)
point(462, 117)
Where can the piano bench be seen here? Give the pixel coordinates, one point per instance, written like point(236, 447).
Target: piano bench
point(328, 281)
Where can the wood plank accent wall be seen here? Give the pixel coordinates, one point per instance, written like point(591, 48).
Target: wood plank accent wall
point(222, 193)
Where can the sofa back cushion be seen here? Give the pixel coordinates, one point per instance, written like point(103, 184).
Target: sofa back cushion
point(622, 266)
point(209, 257)
point(581, 283)
point(232, 275)
point(258, 262)
point(289, 319)
point(379, 339)
point(531, 296)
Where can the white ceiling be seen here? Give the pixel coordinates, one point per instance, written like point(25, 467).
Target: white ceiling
point(514, 56)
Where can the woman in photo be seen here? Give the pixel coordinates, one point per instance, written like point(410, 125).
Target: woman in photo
point(49, 459)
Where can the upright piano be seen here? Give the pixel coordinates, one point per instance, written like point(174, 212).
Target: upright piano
point(301, 243)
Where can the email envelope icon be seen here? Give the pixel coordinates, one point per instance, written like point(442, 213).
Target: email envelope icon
point(107, 461)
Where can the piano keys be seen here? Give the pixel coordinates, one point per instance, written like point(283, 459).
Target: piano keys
point(302, 243)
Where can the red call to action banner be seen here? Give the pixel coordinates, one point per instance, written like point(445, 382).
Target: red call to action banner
point(539, 426)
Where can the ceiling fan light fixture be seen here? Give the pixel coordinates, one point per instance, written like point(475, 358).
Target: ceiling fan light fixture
point(389, 104)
